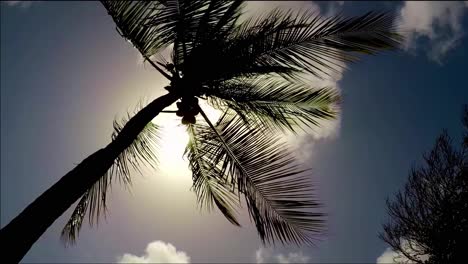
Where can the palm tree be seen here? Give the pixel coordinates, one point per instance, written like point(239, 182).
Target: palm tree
point(250, 70)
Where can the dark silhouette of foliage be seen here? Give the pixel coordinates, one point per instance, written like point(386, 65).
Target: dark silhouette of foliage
point(251, 71)
point(429, 217)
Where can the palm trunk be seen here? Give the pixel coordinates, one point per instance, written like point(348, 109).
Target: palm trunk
point(25, 229)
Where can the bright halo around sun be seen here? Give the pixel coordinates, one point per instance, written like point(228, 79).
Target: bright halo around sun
point(174, 139)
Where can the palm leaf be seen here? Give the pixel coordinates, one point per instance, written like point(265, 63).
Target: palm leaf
point(131, 20)
point(276, 189)
point(208, 187)
point(308, 42)
point(199, 22)
point(153, 25)
point(141, 151)
point(303, 42)
point(276, 103)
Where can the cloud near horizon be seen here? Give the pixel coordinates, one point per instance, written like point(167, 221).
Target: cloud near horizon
point(439, 23)
point(157, 252)
point(390, 256)
point(263, 255)
point(161, 252)
point(387, 257)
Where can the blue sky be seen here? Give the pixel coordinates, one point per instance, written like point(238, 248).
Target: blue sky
point(66, 74)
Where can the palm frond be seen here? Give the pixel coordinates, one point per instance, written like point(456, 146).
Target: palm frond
point(207, 185)
point(131, 20)
point(228, 19)
point(202, 22)
point(142, 151)
point(276, 189)
point(153, 25)
point(276, 103)
point(306, 42)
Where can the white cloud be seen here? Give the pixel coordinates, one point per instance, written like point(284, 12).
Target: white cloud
point(438, 21)
point(161, 252)
point(389, 256)
point(263, 255)
point(23, 4)
point(157, 252)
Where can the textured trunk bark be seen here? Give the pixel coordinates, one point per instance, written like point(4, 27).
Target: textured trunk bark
point(25, 229)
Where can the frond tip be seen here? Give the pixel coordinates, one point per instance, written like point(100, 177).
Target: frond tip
point(93, 202)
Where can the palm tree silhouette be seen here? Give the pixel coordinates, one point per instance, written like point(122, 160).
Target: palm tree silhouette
point(250, 70)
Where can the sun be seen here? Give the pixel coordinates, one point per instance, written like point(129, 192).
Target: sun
point(174, 139)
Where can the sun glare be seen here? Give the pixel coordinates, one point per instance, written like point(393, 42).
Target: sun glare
point(174, 139)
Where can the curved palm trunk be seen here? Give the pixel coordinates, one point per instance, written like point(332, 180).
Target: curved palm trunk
point(24, 230)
